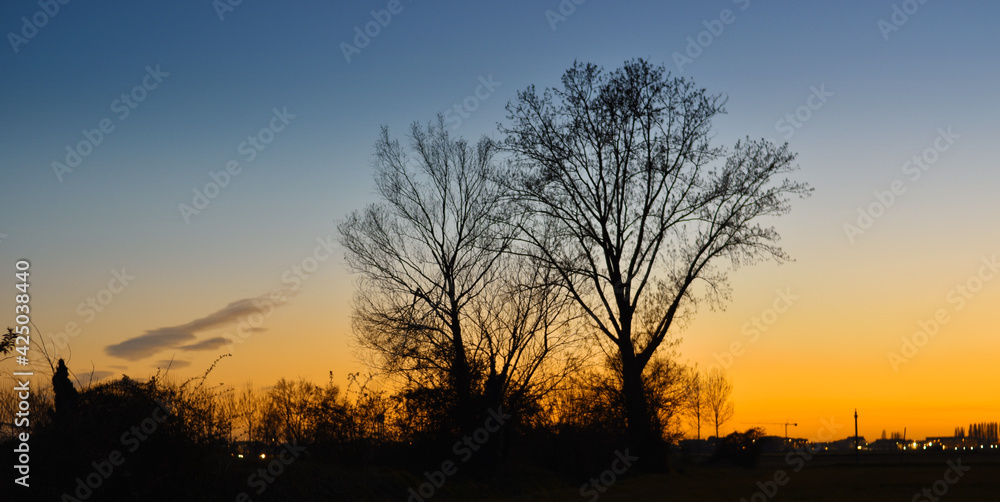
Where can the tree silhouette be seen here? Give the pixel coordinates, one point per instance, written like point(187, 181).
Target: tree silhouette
point(66, 397)
point(718, 398)
point(424, 254)
point(615, 170)
point(695, 404)
point(441, 301)
point(7, 343)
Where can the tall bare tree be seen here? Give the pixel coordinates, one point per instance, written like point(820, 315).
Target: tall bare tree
point(440, 300)
point(696, 399)
point(718, 398)
point(424, 253)
point(617, 170)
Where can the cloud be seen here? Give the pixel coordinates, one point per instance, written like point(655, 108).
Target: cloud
point(174, 365)
point(183, 336)
point(211, 343)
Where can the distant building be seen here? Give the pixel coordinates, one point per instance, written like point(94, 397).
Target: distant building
point(887, 445)
point(775, 444)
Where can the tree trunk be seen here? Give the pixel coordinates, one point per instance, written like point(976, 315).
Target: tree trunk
point(461, 378)
point(638, 423)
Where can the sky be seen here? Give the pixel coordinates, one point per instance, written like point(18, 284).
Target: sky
point(174, 172)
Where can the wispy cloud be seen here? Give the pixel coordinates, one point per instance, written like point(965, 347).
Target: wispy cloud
point(175, 364)
point(183, 336)
point(211, 343)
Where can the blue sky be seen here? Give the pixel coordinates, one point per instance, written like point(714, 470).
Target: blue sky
point(119, 207)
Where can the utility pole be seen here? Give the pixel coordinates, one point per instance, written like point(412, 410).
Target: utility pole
point(857, 458)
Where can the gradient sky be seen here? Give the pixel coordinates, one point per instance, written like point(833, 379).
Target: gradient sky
point(852, 299)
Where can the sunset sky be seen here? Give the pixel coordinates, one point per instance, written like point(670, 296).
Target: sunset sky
point(893, 115)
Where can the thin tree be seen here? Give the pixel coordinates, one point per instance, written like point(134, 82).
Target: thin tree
point(696, 399)
point(615, 169)
point(248, 411)
point(718, 398)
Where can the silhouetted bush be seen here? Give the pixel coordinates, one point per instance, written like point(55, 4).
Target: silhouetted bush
point(739, 448)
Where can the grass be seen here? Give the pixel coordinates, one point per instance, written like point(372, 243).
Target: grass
point(812, 483)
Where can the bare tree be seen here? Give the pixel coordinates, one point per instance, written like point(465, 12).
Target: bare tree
point(440, 300)
point(307, 412)
point(718, 398)
point(226, 413)
point(248, 410)
point(522, 322)
point(616, 170)
point(696, 399)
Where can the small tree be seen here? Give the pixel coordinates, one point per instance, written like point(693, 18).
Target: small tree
point(718, 398)
point(66, 396)
point(695, 405)
point(248, 411)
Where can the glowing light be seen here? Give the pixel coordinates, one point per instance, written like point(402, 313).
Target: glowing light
point(263, 456)
point(240, 455)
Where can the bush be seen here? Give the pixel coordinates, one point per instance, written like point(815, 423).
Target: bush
point(739, 448)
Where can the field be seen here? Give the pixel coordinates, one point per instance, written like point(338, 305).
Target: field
point(824, 479)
